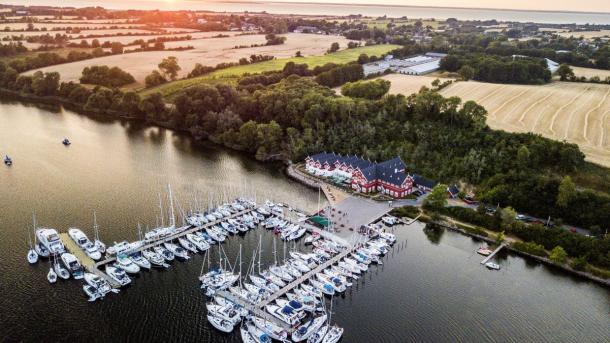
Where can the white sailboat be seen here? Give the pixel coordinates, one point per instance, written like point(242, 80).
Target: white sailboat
point(59, 269)
point(220, 324)
point(32, 254)
point(101, 247)
point(51, 275)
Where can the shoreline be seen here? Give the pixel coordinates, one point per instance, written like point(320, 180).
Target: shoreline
point(292, 173)
point(289, 169)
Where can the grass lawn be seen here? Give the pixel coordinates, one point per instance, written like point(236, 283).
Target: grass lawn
point(230, 75)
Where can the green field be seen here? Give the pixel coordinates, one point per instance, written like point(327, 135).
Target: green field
point(230, 75)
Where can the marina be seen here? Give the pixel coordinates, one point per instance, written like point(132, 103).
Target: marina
point(430, 286)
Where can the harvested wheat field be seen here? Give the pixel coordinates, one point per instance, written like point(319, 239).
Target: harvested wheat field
point(130, 39)
point(585, 34)
point(408, 84)
point(208, 52)
point(590, 72)
point(576, 112)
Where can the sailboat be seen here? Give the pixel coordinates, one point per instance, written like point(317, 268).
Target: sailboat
point(32, 254)
point(59, 269)
point(101, 247)
point(51, 275)
point(334, 332)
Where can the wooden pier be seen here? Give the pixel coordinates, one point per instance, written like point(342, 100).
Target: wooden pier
point(493, 253)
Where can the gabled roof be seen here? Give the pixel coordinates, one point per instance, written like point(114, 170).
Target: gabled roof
point(454, 190)
point(422, 181)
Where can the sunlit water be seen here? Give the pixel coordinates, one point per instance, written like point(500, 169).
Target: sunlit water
point(330, 9)
point(431, 287)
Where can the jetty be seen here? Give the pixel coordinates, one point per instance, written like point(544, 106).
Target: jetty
point(493, 253)
point(87, 262)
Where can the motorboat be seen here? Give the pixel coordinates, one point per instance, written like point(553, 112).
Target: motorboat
point(336, 270)
point(292, 270)
point(8, 161)
point(91, 292)
point(186, 244)
point(222, 301)
point(165, 253)
point(224, 312)
point(244, 294)
point(270, 277)
point(294, 304)
point(255, 290)
point(118, 275)
point(308, 303)
point(270, 328)
point(220, 324)
point(177, 251)
point(125, 263)
point(485, 251)
point(285, 314)
point(331, 274)
point(349, 267)
point(84, 243)
point(361, 266)
point(49, 238)
point(324, 287)
point(388, 237)
point(156, 260)
point(318, 336)
point(60, 270)
point(198, 242)
point(229, 228)
point(73, 265)
point(124, 247)
point(215, 234)
point(312, 238)
point(246, 337)
point(259, 336)
point(308, 291)
point(211, 218)
point(493, 266)
point(333, 281)
point(299, 265)
point(297, 234)
point(102, 286)
point(334, 335)
point(281, 273)
point(304, 331)
point(140, 260)
point(389, 220)
point(66, 142)
point(41, 250)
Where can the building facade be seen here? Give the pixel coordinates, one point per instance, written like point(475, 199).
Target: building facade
point(389, 177)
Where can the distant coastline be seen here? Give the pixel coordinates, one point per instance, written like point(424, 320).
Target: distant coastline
point(410, 6)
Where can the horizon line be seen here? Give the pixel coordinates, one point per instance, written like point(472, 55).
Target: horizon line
point(407, 6)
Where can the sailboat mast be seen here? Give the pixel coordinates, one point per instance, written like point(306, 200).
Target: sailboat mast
point(260, 252)
point(161, 208)
point(172, 220)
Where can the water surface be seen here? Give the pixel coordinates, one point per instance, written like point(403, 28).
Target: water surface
point(430, 289)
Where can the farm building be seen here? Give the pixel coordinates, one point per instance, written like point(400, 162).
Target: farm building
point(550, 64)
point(416, 65)
point(389, 177)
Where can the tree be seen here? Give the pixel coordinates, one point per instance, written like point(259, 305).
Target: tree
point(45, 84)
point(154, 107)
point(334, 47)
point(154, 79)
point(371, 90)
point(298, 54)
point(523, 157)
point(169, 67)
point(566, 192)
point(500, 238)
point(509, 216)
point(558, 255)
point(437, 199)
point(579, 263)
point(565, 72)
point(466, 72)
point(363, 59)
point(116, 48)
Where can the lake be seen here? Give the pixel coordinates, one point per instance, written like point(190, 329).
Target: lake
point(431, 287)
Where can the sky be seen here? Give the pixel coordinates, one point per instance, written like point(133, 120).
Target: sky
point(547, 5)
